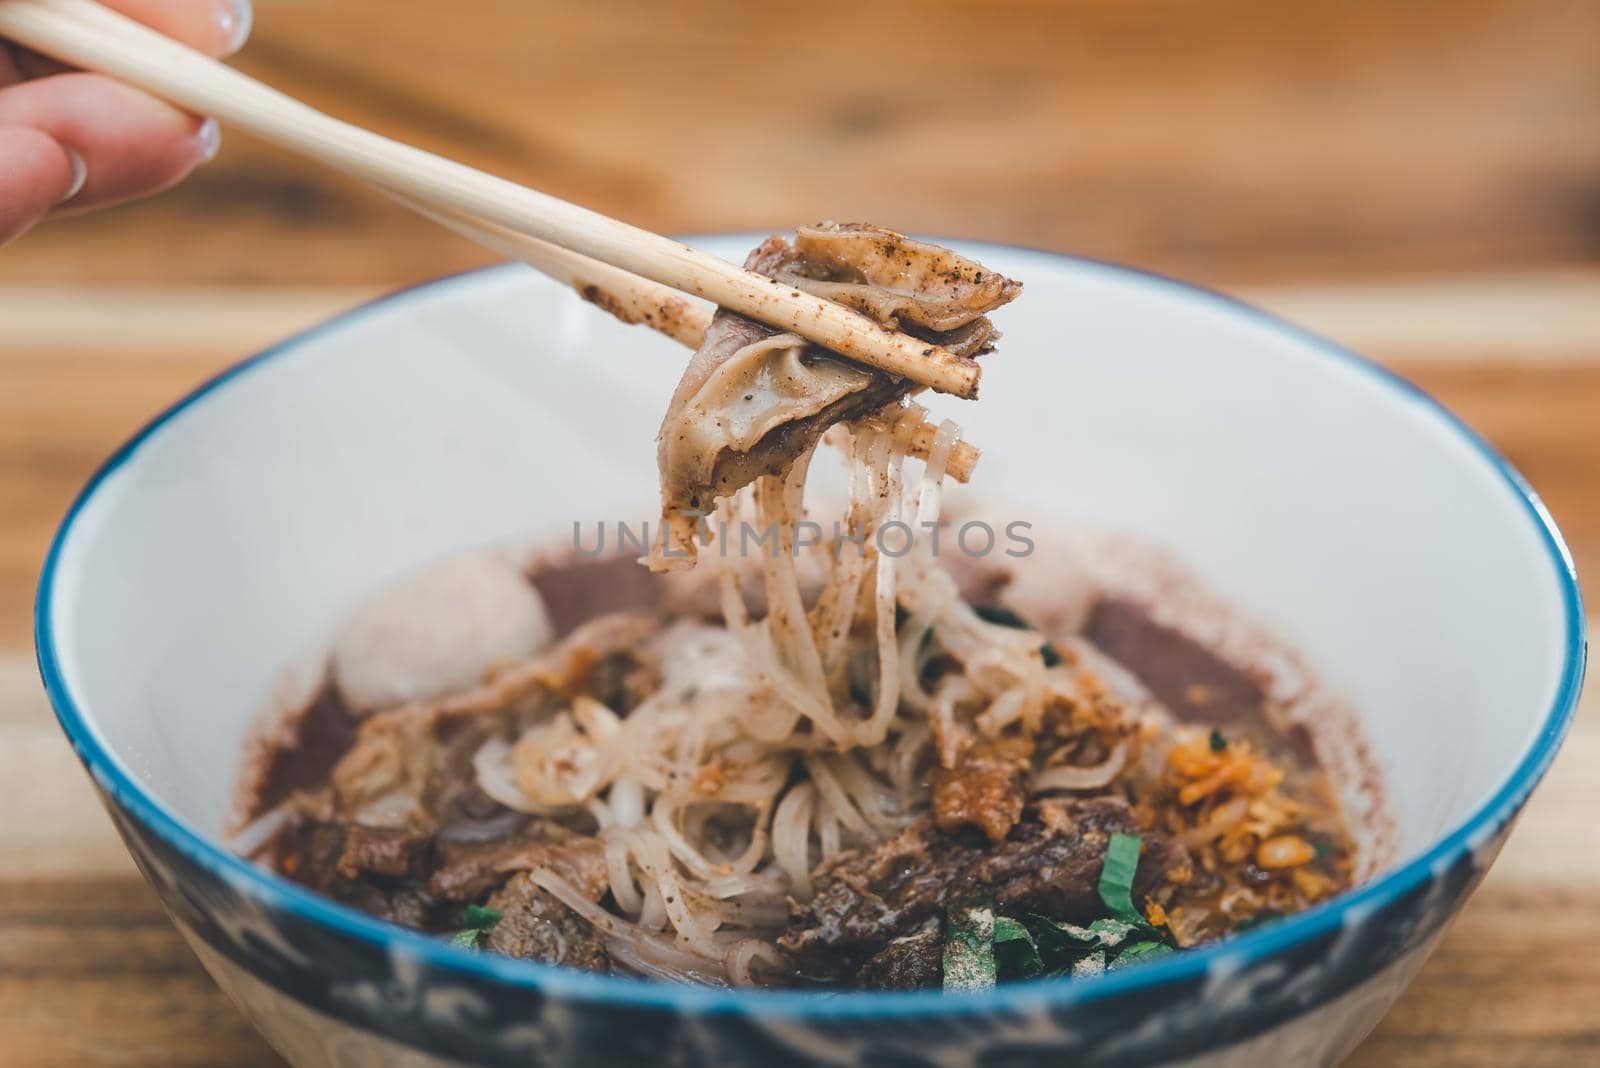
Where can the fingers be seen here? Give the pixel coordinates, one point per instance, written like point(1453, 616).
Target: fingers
point(38, 174)
point(130, 144)
point(10, 69)
point(91, 141)
point(215, 27)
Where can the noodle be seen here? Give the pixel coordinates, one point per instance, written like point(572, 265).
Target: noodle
point(1084, 778)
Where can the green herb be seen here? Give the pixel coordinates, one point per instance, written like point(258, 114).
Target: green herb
point(969, 962)
point(478, 922)
point(1116, 878)
point(1218, 741)
point(1016, 954)
point(1138, 953)
point(1320, 848)
point(1105, 933)
point(1051, 657)
point(900, 615)
point(1089, 966)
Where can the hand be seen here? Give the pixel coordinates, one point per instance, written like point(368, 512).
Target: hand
point(71, 141)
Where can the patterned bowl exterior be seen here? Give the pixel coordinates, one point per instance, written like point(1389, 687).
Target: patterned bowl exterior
point(331, 986)
point(327, 994)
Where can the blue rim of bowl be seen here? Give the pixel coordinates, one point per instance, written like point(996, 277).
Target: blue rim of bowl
point(1232, 955)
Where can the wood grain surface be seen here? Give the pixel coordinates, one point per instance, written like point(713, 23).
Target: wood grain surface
point(1420, 181)
point(1226, 141)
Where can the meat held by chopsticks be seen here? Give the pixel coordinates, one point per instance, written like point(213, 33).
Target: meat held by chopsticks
point(753, 400)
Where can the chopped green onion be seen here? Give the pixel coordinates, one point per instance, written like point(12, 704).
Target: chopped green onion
point(1051, 657)
point(478, 922)
point(1106, 933)
point(1090, 966)
point(1116, 878)
point(969, 962)
point(1219, 741)
point(1138, 953)
point(1015, 950)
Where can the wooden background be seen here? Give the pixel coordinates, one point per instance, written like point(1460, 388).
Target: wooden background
point(1418, 180)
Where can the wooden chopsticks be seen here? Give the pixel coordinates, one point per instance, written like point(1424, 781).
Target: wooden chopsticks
point(638, 300)
point(88, 35)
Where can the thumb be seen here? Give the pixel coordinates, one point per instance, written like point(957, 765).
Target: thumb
point(36, 174)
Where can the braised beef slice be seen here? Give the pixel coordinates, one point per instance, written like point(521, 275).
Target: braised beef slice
point(403, 905)
point(1190, 679)
point(534, 925)
point(467, 870)
point(380, 851)
point(985, 789)
point(372, 870)
point(578, 590)
point(1049, 863)
point(752, 399)
point(1057, 871)
point(912, 961)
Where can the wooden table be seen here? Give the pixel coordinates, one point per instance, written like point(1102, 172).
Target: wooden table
point(1419, 181)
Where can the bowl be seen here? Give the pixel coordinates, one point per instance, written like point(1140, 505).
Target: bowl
point(1326, 498)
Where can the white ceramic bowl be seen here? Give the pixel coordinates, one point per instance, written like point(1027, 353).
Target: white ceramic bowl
point(1330, 500)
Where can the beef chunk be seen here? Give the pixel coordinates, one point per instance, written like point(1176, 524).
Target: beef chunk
point(534, 925)
point(577, 590)
point(370, 869)
point(1053, 866)
point(404, 905)
point(912, 961)
point(985, 789)
point(380, 851)
point(753, 399)
point(1050, 863)
point(1190, 679)
point(468, 870)
point(322, 855)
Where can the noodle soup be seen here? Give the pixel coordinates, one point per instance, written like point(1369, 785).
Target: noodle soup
point(604, 803)
point(798, 754)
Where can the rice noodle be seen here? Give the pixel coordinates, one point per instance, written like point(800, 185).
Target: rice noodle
point(777, 741)
point(250, 838)
point(791, 838)
point(739, 961)
point(1084, 778)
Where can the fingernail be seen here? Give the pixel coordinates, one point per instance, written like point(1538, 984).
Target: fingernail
point(80, 174)
point(236, 18)
point(209, 138)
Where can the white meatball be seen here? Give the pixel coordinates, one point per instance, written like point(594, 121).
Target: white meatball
point(438, 630)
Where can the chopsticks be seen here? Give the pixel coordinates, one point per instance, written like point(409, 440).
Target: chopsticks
point(88, 35)
point(636, 300)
